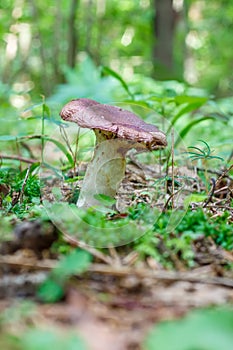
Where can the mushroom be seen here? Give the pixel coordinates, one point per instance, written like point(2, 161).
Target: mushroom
point(117, 131)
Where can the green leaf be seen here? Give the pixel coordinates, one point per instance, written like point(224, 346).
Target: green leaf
point(33, 107)
point(61, 147)
point(34, 166)
point(201, 330)
point(191, 100)
point(46, 110)
point(196, 153)
point(216, 157)
point(76, 262)
point(207, 146)
point(194, 198)
point(119, 78)
point(189, 126)
point(38, 339)
point(184, 110)
point(49, 119)
point(55, 170)
point(50, 291)
point(8, 138)
point(107, 200)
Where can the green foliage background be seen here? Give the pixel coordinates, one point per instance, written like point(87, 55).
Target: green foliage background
point(119, 34)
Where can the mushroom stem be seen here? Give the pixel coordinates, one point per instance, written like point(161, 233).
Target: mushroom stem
point(104, 173)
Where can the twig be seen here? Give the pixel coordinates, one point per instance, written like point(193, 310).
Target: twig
point(31, 264)
point(215, 172)
point(96, 253)
point(115, 256)
point(65, 138)
point(173, 177)
point(220, 207)
point(19, 158)
point(23, 185)
point(225, 188)
point(224, 174)
point(123, 271)
point(76, 149)
point(160, 275)
point(211, 193)
point(170, 197)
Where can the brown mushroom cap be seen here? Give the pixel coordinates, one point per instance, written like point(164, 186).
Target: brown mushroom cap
point(123, 124)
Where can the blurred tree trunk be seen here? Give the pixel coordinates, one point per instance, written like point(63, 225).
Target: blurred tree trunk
point(89, 26)
point(57, 45)
point(72, 34)
point(164, 31)
point(46, 82)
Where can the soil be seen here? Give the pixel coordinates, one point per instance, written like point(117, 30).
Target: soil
point(114, 305)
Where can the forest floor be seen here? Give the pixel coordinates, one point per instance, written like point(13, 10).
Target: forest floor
point(115, 303)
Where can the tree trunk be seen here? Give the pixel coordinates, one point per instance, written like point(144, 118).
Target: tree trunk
point(57, 43)
point(164, 30)
point(72, 35)
point(45, 80)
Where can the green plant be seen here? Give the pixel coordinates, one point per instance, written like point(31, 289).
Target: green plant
point(85, 80)
point(170, 236)
point(23, 190)
point(202, 153)
point(165, 246)
point(98, 228)
point(37, 339)
point(29, 337)
point(210, 329)
point(53, 289)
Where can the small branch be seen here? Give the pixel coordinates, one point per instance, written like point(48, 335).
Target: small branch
point(224, 174)
point(123, 271)
point(173, 178)
point(19, 158)
point(96, 253)
point(23, 185)
point(65, 138)
point(160, 275)
point(215, 206)
point(170, 197)
point(215, 172)
point(211, 193)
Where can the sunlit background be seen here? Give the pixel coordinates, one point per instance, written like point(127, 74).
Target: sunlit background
point(41, 41)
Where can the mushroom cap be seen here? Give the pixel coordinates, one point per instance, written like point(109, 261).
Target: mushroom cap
point(123, 124)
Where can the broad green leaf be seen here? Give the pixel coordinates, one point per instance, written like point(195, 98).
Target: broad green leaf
point(119, 78)
point(139, 103)
point(210, 329)
point(56, 142)
point(55, 170)
point(50, 291)
point(102, 198)
point(184, 110)
point(194, 198)
point(189, 126)
point(191, 100)
point(62, 148)
point(46, 339)
point(76, 262)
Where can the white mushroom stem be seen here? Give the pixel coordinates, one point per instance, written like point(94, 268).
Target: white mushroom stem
point(105, 172)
